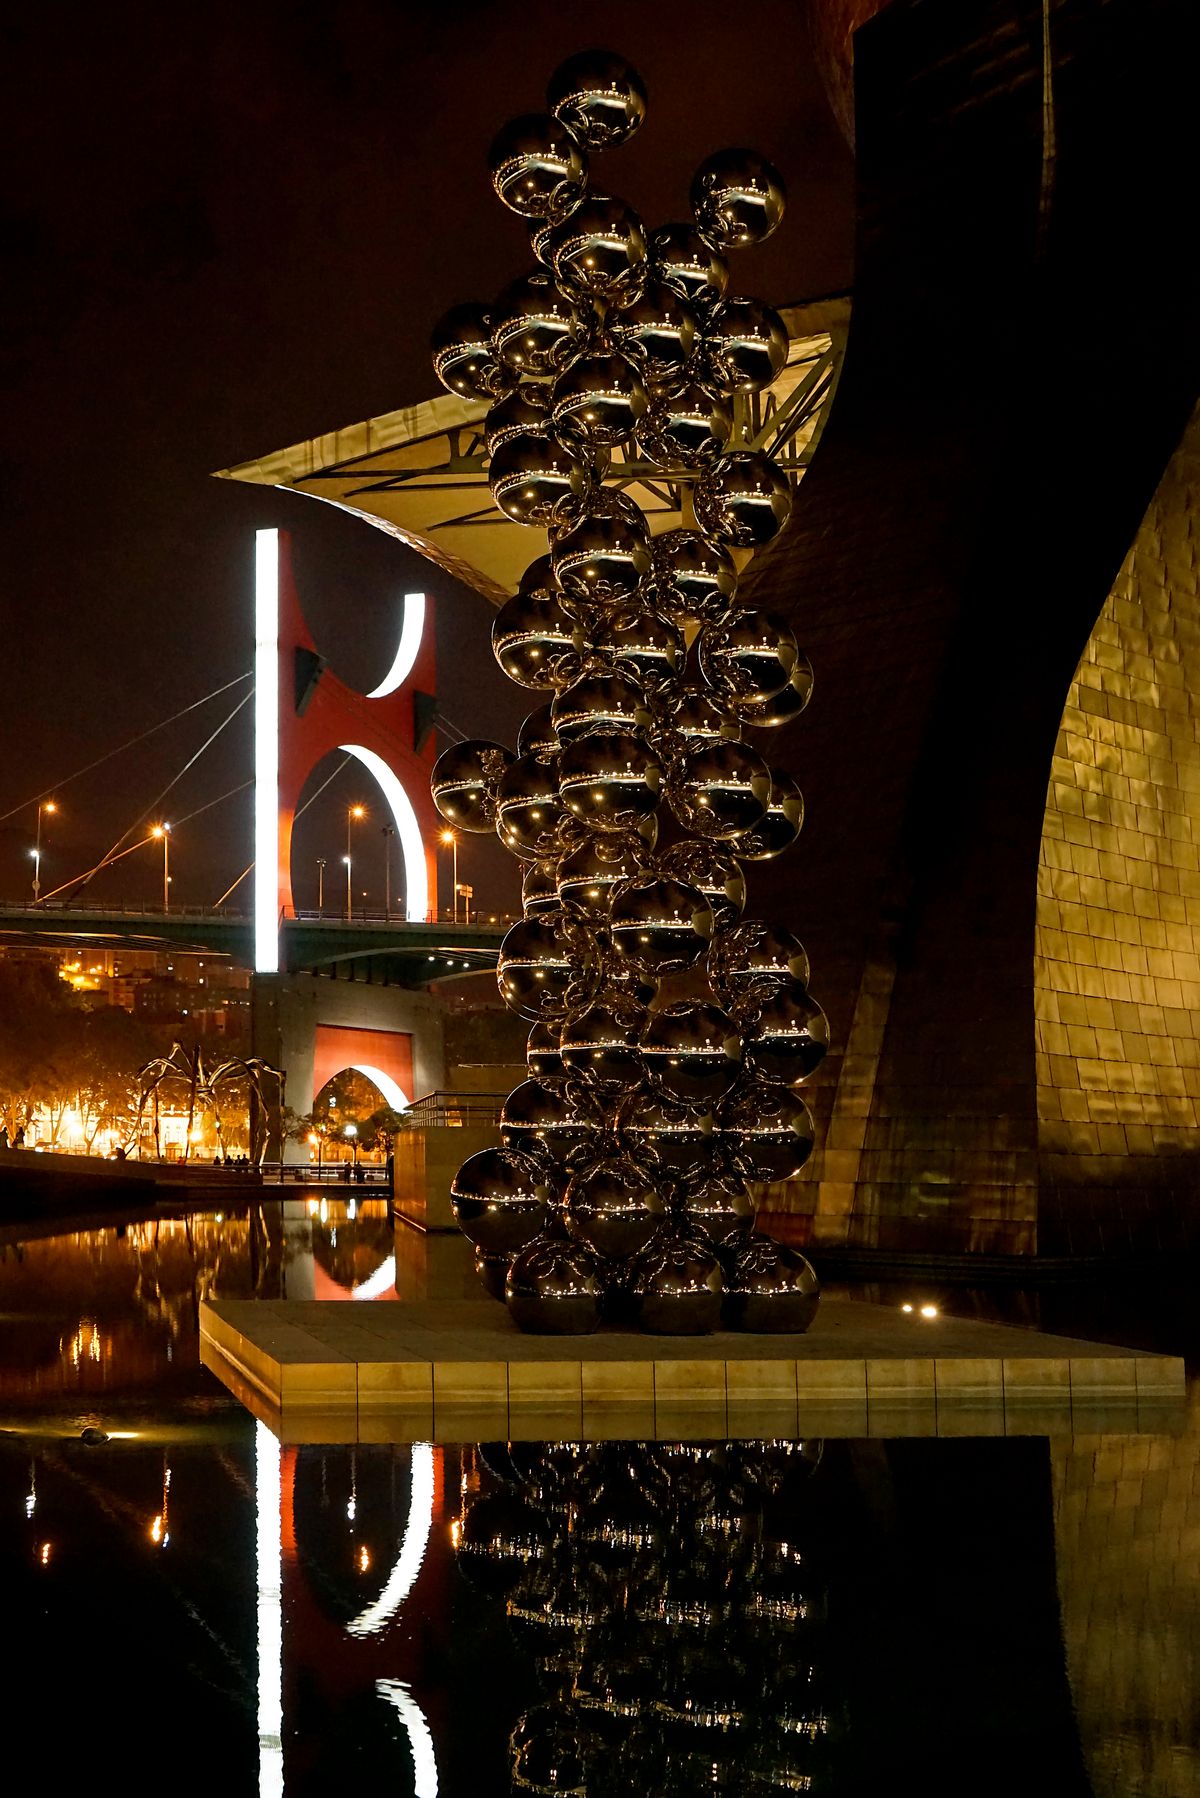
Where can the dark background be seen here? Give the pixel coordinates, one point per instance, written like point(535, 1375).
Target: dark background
point(230, 228)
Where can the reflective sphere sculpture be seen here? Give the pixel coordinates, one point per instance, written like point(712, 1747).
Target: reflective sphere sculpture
point(737, 199)
point(743, 500)
point(541, 1055)
point(499, 1199)
point(598, 400)
point(535, 329)
point(555, 1287)
point(599, 97)
point(790, 1037)
point(785, 706)
point(603, 697)
point(645, 648)
point(714, 872)
point(764, 1131)
point(692, 1053)
point(688, 426)
point(539, 890)
point(588, 875)
point(678, 1141)
point(695, 718)
point(782, 824)
point(721, 1208)
point(536, 969)
point(614, 1206)
point(599, 1045)
point(524, 411)
point(530, 476)
point(694, 580)
point(534, 642)
point(752, 961)
point(464, 784)
point(492, 1272)
point(770, 1287)
point(682, 260)
point(720, 791)
point(528, 809)
point(745, 345)
point(660, 926)
point(658, 332)
point(676, 1285)
point(601, 559)
point(748, 656)
point(463, 358)
point(537, 735)
point(599, 251)
point(609, 780)
point(538, 167)
point(543, 1123)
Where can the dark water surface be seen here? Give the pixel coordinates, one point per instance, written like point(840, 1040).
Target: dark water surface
point(189, 1606)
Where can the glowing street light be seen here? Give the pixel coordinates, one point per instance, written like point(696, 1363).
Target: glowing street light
point(353, 814)
point(451, 842)
point(46, 805)
point(351, 1134)
point(162, 832)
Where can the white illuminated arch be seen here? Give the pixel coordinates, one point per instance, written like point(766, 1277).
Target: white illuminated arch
point(412, 624)
point(266, 752)
point(403, 1577)
point(412, 849)
point(394, 1095)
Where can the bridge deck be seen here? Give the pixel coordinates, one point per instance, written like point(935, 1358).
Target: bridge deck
point(454, 1370)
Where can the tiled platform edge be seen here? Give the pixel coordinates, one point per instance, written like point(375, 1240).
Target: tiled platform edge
point(457, 1370)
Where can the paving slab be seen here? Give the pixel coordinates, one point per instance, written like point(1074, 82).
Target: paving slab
point(449, 1370)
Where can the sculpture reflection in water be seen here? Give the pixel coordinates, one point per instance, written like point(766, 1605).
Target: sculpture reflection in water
point(675, 1624)
point(669, 1032)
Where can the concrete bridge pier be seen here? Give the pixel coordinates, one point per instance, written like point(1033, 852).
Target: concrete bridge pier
point(314, 1027)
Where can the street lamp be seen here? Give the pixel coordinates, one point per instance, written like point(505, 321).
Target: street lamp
point(320, 886)
point(451, 841)
point(46, 805)
point(351, 1134)
point(353, 814)
point(162, 832)
point(389, 832)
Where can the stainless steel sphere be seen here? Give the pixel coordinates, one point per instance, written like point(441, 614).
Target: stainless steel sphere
point(694, 580)
point(492, 1272)
point(720, 791)
point(675, 1284)
point(536, 969)
point(523, 412)
point(534, 642)
point(677, 1140)
point(692, 1053)
point(542, 1122)
point(555, 1287)
point(600, 1046)
point(500, 1199)
point(609, 780)
point(538, 168)
point(764, 1131)
point(463, 358)
point(539, 893)
point(658, 332)
point(747, 656)
point(743, 499)
point(782, 824)
point(601, 558)
point(603, 696)
point(687, 427)
point(752, 961)
point(789, 1038)
point(693, 718)
point(536, 329)
point(721, 1207)
point(714, 872)
point(660, 926)
point(614, 1206)
point(587, 876)
point(465, 781)
point(541, 1054)
point(785, 706)
point(770, 1288)
point(599, 97)
point(600, 251)
point(682, 260)
point(737, 199)
point(745, 345)
point(532, 475)
point(598, 400)
point(537, 735)
point(645, 648)
point(528, 809)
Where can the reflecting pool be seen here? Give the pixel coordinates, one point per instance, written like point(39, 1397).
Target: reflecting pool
point(191, 1604)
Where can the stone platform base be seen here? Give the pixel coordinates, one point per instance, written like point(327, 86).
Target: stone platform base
point(458, 1370)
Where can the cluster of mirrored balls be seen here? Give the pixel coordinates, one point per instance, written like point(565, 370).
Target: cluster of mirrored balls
point(677, 1625)
point(669, 1033)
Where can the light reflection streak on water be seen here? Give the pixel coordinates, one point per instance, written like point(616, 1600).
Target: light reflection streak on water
point(382, 1280)
point(403, 1577)
point(269, 1560)
point(425, 1781)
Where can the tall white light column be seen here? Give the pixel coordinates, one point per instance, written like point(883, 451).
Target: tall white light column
point(266, 752)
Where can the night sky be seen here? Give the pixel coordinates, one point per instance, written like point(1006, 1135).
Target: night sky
point(231, 227)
